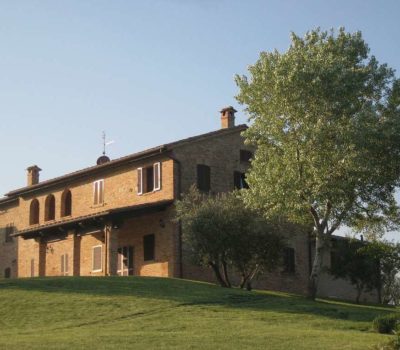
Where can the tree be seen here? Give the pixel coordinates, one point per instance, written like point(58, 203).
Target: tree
point(220, 232)
point(326, 126)
point(388, 257)
point(353, 262)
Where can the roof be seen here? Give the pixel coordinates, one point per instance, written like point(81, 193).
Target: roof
point(162, 149)
point(38, 229)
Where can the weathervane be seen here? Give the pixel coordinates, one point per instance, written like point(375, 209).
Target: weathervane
point(106, 143)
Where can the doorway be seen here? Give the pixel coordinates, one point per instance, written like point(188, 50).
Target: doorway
point(125, 261)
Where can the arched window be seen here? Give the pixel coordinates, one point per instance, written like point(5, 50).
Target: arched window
point(50, 208)
point(34, 212)
point(66, 203)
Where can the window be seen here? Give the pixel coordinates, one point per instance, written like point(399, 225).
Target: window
point(34, 212)
point(50, 208)
point(148, 247)
point(98, 192)
point(7, 273)
point(97, 259)
point(203, 177)
point(289, 260)
point(149, 178)
point(239, 180)
point(245, 156)
point(125, 261)
point(9, 232)
point(66, 203)
point(64, 265)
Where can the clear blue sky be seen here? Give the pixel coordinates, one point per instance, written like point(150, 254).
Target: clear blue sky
point(147, 72)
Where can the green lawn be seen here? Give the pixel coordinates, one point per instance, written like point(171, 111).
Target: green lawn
point(154, 313)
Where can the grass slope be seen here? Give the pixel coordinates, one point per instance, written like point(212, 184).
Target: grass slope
point(154, 313)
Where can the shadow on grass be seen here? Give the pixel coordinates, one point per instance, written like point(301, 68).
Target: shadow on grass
point(188, 293)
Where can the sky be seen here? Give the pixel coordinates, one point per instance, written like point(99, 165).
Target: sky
point(145, 72)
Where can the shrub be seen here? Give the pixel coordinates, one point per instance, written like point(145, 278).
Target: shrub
point(386, 324)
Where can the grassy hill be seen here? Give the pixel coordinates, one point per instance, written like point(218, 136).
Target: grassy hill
point(154, 313)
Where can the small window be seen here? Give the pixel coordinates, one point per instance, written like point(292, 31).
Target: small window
point(245, 156)
point(50, 208)
point(64, 265)
point(203, 177)
point(7, 273)
point(66, 203)
point(289, 260)
point(239, 180)
point(9, 232)
point(34, 212)
point(97, 259)
point(149, 178)
point(148, 247)
point(98, 192)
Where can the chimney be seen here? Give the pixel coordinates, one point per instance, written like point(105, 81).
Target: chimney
point(228, 117)
point(33, 175)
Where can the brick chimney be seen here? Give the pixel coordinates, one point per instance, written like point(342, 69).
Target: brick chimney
point(228, 117)
point(33, 175)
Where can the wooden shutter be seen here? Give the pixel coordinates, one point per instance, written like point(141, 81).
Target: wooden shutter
point(97, 259)
point(140, 181)
point(245, 156)
point(66, 264)
point(62, 265)
point(95, 192)
point(130, 261)
point(32, 267)
point(101, 191)
point(157, 176)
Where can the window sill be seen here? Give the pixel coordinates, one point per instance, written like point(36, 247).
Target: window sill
point(95, 206)
point(147, 193)
point(95, 271)
point(149, 261)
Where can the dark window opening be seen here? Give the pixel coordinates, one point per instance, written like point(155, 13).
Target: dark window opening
point(239, 180)
point(289, 260)
point(148, 247)
point(34, 212)
point(203, 178)
point(50, 208)
point(66, 203)
point(245, 156)
point(7, 273)
point(149, 180)
point(9, 232)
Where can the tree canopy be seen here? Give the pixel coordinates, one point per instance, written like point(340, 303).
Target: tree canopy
point(326, 125)
point(220, 232)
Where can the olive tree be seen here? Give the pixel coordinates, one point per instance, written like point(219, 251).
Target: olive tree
point(325, 120)
point(221, 233)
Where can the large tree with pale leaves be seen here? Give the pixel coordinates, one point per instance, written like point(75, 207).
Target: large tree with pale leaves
point(326, 126)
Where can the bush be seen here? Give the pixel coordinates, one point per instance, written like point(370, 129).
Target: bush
point(393, 344)
point(386, 324)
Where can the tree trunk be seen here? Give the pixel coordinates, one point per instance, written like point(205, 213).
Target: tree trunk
point(218, 275)
point(359, 291)
point(316, 267)
point(243, 280)
point(225, 272)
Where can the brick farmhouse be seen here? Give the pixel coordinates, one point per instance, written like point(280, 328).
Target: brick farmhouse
point(116, 218)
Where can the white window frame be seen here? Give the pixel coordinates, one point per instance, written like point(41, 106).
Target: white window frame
point(101, 258)
point(158, 187)
point(96, 200)
point(139, 181)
